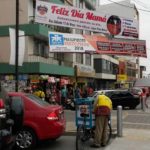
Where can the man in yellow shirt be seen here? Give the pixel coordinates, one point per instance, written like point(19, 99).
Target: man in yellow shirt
point(102, 109)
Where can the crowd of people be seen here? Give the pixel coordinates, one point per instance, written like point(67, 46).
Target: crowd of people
point(54, 93)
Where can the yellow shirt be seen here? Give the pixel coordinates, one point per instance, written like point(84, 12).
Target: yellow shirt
point(39, 94)
point(102, 100)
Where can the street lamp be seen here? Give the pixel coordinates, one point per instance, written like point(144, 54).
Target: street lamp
point(17, 45)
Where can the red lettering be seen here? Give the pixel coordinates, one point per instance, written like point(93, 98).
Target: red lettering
point(76, 13)
point(61, 11)
point(91, 16)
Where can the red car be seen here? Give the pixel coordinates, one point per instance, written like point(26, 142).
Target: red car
point(40, 119)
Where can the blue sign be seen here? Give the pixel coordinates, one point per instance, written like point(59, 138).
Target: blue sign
point(56, 39)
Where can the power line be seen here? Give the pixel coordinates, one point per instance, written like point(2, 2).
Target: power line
point(128, 6)
point(141, 3)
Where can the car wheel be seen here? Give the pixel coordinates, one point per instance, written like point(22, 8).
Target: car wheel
point(26, 139)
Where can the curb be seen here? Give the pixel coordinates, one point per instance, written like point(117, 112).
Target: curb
point(73, 133)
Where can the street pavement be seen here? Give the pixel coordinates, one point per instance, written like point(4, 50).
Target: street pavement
point(135, 130)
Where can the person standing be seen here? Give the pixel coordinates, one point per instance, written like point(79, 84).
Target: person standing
point(77, 92)
point(63, 96)
point(143, 100)
point(102, 109)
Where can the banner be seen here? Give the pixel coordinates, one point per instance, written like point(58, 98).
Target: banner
point(72, 17)
point(103, 45)
point(21, 47)
point(62, 42)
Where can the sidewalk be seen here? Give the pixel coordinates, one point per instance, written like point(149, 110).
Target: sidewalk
point(135, 133)
point(138, 139)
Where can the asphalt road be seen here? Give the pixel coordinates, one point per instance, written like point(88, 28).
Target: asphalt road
point(133, 119)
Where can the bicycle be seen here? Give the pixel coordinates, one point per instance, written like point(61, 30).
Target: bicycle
point(85, 133)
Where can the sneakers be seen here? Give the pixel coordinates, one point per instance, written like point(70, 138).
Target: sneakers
point(95, 146)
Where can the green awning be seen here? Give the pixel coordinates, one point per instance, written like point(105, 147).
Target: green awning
point(37, 68)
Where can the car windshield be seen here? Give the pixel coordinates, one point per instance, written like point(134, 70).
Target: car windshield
point(37, 100)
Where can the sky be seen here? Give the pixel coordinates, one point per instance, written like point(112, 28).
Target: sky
point(144, 27)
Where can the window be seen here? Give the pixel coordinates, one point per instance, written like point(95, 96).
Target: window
point(87, 59)
point(79, 58)
point(41, 48)
point(16, 102)
point(59, 56)
point(104, 64)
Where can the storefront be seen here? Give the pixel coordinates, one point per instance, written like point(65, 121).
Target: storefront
point(85, 76)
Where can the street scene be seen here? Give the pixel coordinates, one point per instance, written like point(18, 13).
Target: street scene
point(74, 74)
point(135, 129)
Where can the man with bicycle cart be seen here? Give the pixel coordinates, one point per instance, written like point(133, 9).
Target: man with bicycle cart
point(102, 109)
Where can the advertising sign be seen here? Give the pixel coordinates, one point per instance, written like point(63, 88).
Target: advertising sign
point(62, 42)
point(13, 47)
point(103, 45)
point(72, 17)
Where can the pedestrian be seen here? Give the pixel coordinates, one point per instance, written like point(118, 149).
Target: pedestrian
point(63, 96)
point(102, 109)
point(77, 92)
point(143, 99)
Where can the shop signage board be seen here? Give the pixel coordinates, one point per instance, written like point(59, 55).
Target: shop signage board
point(122, 77)
point(84, 71)
point(63, 42)
point(72, 17)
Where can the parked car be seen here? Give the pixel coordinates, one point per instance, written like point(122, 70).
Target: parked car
point(120, 97)
point(136, 91)
point(40, 119)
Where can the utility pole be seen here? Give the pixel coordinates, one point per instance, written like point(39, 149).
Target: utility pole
point(17, 45)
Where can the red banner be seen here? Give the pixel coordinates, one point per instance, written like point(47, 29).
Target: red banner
point(103, 45)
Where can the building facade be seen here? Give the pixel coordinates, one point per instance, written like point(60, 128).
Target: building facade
point(37, 59)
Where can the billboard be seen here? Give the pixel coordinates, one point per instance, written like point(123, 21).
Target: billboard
point(72, 17)
point(103, 45)
point(63, 42)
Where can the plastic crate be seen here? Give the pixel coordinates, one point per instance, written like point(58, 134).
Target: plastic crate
point(84, 106)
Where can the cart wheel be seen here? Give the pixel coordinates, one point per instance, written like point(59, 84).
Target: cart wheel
point(81, 138)
point(109, 132)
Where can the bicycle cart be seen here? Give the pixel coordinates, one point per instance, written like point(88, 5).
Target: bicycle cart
point(85, 122)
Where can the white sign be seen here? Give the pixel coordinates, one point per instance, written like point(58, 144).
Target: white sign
point(63, 42)
point(72, 17)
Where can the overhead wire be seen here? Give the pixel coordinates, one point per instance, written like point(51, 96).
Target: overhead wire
point(128, 6)
point(141, 4)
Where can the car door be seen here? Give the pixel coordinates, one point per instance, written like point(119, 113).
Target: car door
point(115, 99)
point(129, 100)
point(124, 98)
